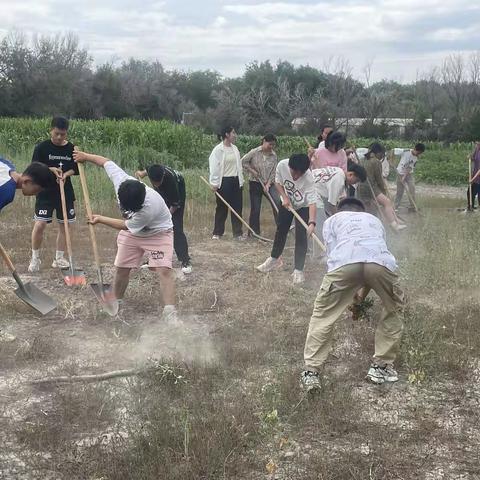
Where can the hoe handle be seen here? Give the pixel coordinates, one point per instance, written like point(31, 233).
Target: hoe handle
point(7, 259)
point(86, 198)
point(65, 218)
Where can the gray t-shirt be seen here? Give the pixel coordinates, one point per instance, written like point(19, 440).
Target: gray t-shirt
point(154, 216)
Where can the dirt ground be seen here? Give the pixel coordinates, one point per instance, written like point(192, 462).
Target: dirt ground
point(230, 314)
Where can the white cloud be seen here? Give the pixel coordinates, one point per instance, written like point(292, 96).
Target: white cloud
point(403, 37)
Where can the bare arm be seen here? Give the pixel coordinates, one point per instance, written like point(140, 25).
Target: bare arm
point(140, 174)
point(81, 157)
point(116, 223)
point(283, 195)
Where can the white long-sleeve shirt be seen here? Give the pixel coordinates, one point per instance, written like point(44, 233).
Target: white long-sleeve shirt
point(216, 164)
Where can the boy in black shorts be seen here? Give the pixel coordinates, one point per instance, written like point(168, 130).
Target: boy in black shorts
point(170, 184)
point(57, 154)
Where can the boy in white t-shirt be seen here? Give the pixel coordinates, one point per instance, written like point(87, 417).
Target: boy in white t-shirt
point(146, 229)
point(295, 185)
point(330, 185)
point(405, 177)
point(357, 256)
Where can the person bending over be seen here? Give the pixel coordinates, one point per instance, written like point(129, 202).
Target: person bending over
point(170, 184)
point(36, 178)
point(357, 256)
point(295, 185)
point(145, 229)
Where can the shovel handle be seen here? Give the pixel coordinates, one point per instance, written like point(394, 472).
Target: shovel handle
point(65, 217)
point(88, 208)
point(7, 259)
point(302, 221)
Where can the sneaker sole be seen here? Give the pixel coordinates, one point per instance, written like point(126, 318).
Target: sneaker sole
point(375, 380)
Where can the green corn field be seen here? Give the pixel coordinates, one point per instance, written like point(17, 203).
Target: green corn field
point(135, 144)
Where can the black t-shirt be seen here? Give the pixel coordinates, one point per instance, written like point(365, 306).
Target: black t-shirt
point(172, 188)
point(53, 155)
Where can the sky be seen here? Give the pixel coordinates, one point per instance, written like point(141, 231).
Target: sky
point(399, 38)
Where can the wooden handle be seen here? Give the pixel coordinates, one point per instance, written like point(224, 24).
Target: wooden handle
point(7, 259)
point(230, 208)
point(302, 221)
point(65, 217)
point(307, 142)
point(88, 208)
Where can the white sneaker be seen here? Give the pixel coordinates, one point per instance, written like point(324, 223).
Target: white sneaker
point(60, 263)
point(298, 277)
point(378, 375)
point(187, 268)
point(270, 264)
point(215, 237)
point(398, 227)
point(34, 265)
point(170, 316)
point(310, 380)
point(6, 337)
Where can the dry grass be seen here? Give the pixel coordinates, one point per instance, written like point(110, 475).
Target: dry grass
point(241, 414)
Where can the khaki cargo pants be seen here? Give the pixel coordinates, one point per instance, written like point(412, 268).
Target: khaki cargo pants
point(336, 294)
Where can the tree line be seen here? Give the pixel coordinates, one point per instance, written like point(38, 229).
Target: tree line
point(46, 74)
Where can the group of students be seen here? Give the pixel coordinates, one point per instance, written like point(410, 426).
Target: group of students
point(312, 184)
point(152, 225)
point(152, 218)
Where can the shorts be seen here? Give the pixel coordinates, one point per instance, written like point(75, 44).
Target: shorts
point(132, 248)
point(44, 209)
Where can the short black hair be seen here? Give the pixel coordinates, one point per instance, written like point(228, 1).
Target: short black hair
point(269, 137)
point(131, 195)
point(156, 173)
point(375, 148)
point(420, 147)
point(59, 122)
point(224, 132)
point(358, 170)
point(350, 204)
point(40, 175)
point(335, 139)
point(299, 162)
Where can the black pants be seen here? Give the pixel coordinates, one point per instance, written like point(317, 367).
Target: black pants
point(256, 193)
point(180, 243)
point(475, 192)
point(284, 221)
point(231, 191)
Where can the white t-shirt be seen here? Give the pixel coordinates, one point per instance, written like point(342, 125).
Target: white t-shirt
point(230, 169)
point(301, 192)
point(330, 183)
point(154, 216)
point(356, 237)
point(407, 161)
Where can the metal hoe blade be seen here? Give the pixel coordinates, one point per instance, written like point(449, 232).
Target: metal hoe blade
point(74, 276)
point(102, 292)
point(35, 298)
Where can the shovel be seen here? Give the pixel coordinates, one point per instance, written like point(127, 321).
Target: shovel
point(101, 290)
point(28, 292)
point(71, 275)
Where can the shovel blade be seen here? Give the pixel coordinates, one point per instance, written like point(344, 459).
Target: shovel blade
point(74, 277)
point(35, 298)
point(104, 294)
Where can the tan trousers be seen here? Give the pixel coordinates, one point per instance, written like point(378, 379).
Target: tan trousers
point(336, 294)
